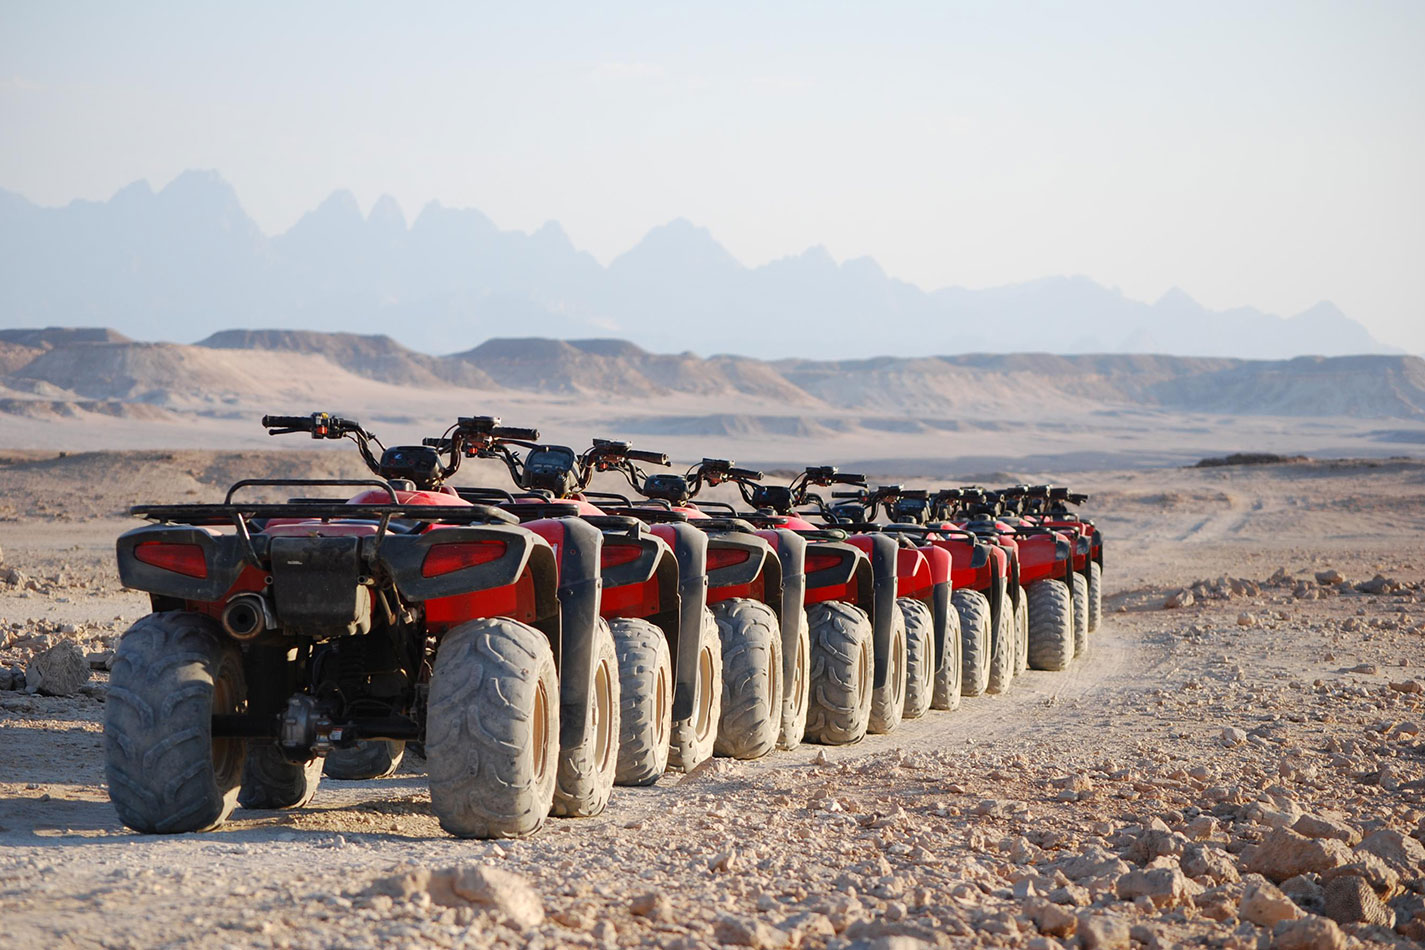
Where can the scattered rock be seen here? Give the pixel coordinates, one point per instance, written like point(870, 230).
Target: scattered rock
point(1350, 900)
point(1202, 861)
point(1103, 932)
point(1182, 598)
point(1232, 736)
point(1266, 906)
point(1246, 620)
point(740, 931)
point(59, 671)
point(654, 905)
point(1165, 887)
point(1405, 855)
point(1284, 853)
point(1408, 686)
point(1380, 584)
point(1315, 826)
point(1368, 669)
point(481, 886)
point(1308, 933)
point(1050, 918)
point(11, 679)
point(1331, 576)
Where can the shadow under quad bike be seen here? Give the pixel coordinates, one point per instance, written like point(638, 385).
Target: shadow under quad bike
point(283, 631)
point(654, 601)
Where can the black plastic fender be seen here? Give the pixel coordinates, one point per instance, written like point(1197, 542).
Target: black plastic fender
point(225, 556)
point(745, 571)
point(940, 615)
point(884, 556)
point(579, 589)
point(690, 548)
point(791, 551)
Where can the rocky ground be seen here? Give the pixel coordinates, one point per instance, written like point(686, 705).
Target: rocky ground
point(1244, 770)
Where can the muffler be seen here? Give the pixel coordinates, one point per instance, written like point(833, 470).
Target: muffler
point(246, 616)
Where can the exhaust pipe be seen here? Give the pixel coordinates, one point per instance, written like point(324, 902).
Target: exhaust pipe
point(246, 616)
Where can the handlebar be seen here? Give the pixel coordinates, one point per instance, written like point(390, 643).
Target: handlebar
point(654, 458)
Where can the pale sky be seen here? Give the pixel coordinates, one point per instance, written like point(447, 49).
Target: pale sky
point(1262, 153)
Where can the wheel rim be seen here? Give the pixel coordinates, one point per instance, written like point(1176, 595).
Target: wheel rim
point(799, 673)
point(228, 753)
point(863, 672)
point(705, 691)
point(603, 717)
point(660, 708)
point(541, 721)
point(898, 670)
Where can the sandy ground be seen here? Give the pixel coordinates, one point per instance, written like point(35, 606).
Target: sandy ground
point(1129, 802)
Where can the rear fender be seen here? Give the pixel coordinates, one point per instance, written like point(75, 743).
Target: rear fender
point(645, 587)
point(937, 598)
point(224, 557)
point(1041, 556)
point(690, 552)
point(882, 550)
point(912, 574)
point(747, 574)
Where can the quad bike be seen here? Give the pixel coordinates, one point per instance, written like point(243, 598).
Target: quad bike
point(732, 600)
point(935, 647)
point(1048, 505)
point(1045, 573)
point(755, 588)
point(282, 632)
point(857, 629)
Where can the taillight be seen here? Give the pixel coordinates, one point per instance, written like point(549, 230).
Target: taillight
point(456, 556)
point(186, 559)
point(820, 562)
point(726, 557)
point(616, 554)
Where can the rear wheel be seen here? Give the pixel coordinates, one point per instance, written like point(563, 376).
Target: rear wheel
point(948, 676)
point(920, 656)
point(492, 730)
point(1002, 646)
point(888, 700)
point(1095, 595)
point(369, 758)
point(586, 771)
point(843, 668)
point(270, 781)
point(167, 773)
point(1051, 625)
point(646, 704)
point(798, 683)
point(1081, 614)
point(975, 640)
point(693, 736)
point(751, 678)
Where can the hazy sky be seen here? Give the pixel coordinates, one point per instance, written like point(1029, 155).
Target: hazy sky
point(1259, 153)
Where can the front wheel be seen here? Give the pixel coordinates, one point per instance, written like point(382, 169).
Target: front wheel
point(920, 656)
point(167, 773)
point(1081, 614)
point(586, 770)
point(492, 729)
point(1021, 627)
point(645, 671)
point(798, 683)
point(369, 758)
point(1002, 649)
point(694, 734)
point(888, 699)
point(842, 672)
point(975, 640)
point(948, 677)
point(1095, 595)
point(1051, 625)
point(270, 781)
point(751, 678)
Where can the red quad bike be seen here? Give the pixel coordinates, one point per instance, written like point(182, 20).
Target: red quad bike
point(987, 595)
point(1047, 506)
point(1046, 572)
point(857, 630)
point(935, 649)
point(281, 632)
point(724, 639)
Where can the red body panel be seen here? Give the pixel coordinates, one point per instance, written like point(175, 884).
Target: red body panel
point(913, 574)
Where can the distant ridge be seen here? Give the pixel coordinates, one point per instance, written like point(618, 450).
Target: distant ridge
point(186, 261)
point(799, 396)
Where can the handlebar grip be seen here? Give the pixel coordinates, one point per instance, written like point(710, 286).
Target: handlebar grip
point(752, 475)
point(287, 422)
point(847, 478)
point(514, 432)
point(656, 458)
point(846, 494)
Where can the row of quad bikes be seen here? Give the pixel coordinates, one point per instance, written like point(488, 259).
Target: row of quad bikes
point(541, 644)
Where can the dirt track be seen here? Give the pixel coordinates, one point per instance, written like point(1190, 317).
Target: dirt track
point(957, 828)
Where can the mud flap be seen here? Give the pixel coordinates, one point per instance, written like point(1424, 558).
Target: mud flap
point(579, 591)
point(884, 553)
point(690, 549)
point(791, 551)
point(940, 615)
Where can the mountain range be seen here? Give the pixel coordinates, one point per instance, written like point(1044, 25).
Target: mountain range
point(187, 261)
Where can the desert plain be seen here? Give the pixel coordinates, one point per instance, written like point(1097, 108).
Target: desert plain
point(1244, 770)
